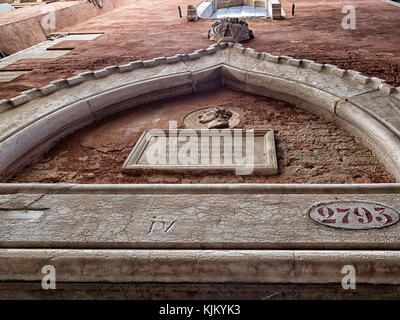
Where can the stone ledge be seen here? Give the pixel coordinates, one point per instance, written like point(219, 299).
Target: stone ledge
point(376, 132)
point(200, 266)
point(66, 188)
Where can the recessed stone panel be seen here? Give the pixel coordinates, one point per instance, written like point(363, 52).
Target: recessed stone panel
point(239, 151)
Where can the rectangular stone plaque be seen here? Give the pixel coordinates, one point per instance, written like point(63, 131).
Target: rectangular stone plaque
point(184, 150)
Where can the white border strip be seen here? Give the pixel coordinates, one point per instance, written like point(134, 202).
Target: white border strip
point(35, 188)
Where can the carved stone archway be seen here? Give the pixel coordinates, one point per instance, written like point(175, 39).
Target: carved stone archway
point(366, 107)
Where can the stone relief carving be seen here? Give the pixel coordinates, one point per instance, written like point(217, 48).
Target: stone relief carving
point(216, 118)
point(230, 30)
point(212, 118)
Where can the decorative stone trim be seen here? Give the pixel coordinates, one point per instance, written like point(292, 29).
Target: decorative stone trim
point(200, 266)
point(75, 80)
point(356, 76)
point(5, 105)
point(46, 90)
point(101, 73)
point(60, 83)
point(32, 93)
point(125, 68)
point(72, 188)
point(19, 100)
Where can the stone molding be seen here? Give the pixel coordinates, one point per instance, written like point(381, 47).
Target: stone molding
point(199, 266)
point(32, 94)
point(70, 188)
point(211, 216)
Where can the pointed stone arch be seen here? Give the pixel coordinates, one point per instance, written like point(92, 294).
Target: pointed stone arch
point(36, 119)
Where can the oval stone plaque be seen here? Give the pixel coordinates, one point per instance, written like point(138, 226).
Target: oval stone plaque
point(353, 215)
